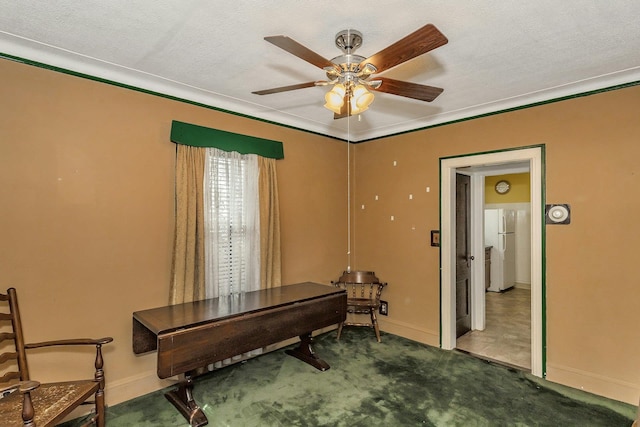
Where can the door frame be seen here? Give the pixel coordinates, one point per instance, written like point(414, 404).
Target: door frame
point(448, 166)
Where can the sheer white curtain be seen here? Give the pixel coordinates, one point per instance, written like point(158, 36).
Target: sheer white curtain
point(232, 223)
point(232, 229)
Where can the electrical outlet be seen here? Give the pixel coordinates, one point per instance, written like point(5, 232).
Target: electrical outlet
point(384, 308)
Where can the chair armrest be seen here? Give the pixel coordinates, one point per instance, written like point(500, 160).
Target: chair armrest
point(79, 341)
point(22, 387)
point(25, 386)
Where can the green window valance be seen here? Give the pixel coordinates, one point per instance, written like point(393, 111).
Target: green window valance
point(200, 136)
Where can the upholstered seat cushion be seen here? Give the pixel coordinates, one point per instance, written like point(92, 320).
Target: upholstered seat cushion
point(50, 402)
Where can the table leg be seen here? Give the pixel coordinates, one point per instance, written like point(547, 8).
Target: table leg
point(305, 352)
point(182, 399)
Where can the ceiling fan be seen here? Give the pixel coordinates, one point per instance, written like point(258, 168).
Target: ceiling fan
point(352, 75)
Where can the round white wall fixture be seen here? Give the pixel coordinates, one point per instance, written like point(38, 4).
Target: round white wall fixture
point(558, 214)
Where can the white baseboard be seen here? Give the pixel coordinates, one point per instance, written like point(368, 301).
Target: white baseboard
point(137, 385)
point(408, 331)
point(601, 385)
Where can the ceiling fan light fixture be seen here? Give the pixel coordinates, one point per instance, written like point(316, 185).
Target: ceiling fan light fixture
point(361, 99)
point(335, 98)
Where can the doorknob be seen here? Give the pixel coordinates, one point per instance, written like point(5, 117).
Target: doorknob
point(471, 257)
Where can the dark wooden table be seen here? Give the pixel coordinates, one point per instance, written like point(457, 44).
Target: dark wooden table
point(193, 335)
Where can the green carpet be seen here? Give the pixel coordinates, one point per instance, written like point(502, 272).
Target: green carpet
point(394, 383)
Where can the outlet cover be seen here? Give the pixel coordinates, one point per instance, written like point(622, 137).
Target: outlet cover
point(384, 308)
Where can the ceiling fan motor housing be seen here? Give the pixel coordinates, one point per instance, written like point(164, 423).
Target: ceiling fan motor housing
point(347, 63)
point(348, 72)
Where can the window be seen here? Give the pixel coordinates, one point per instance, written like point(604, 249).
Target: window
point(231, 217)
point(199, 165)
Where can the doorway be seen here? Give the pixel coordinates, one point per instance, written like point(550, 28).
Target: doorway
point(448, 167)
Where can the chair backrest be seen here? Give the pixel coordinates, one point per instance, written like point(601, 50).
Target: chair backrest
point(358, 277)
point(13, 359)
point(361, 285)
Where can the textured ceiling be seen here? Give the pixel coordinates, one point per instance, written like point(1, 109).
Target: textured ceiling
point(500, 54)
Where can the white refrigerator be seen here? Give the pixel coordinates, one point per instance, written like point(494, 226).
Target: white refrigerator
point(499, 232)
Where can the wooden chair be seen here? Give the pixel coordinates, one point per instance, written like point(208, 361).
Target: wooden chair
point(28, 403)
point(363, 297)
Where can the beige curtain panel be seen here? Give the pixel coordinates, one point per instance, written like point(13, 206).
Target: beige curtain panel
point(187, 275)
point(270, 263)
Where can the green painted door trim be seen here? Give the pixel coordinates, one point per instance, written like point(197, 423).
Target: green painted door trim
point(543, 227)
point(200, 136)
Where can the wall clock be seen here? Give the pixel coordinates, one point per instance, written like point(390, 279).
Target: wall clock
point(503, 187)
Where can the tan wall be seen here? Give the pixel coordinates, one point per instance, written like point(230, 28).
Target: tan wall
point(86, 218)
point(592, 152)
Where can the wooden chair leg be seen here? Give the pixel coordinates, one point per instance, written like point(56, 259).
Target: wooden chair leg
point(99, 397)
point(100, 409)
point(27, 405)
point(340, 329)
point(374, 322)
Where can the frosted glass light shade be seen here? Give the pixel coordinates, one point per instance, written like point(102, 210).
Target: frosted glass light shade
point(335, 98)
point(361, 99)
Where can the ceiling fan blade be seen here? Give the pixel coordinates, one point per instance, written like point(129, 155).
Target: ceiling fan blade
point(410, 90)
point(285, 88)
point(415, 44)
point(295, 48)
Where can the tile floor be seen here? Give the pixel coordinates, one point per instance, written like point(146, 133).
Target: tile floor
point(507, 336)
